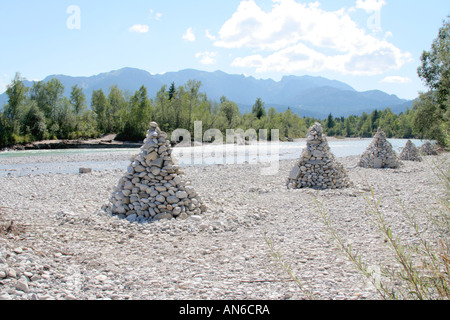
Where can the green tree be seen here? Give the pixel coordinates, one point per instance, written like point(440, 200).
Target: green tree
point(193, 90)
point(231, 112)
point(34, 122)
point(175, 107)
point(330, 121)
point(172, 90)
point(374, 117)
point(435, 67)
point(13, 111)
point(161, 107)
point(428, 117)
point(100, 106)
point(78, 100)
point(258, 108)
point(49, 99)
point(116, 109)
point(405, 128)
point(349, 126)
point(39, 94)
point(330, 125)
point(64, 124)
point(54, 90)
point(5, 133)
point(388, 122)
point(433, 107)
point(288, 124)
point(138, 117)
point(365, 126)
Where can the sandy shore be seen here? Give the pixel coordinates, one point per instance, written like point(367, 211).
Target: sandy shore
point(62, 245)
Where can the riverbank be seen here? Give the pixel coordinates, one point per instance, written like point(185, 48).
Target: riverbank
point(49, 161)
point(58, 243)
point(107, 141)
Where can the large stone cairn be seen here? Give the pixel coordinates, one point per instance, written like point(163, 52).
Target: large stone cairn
point(154, 187)
point(317, 167)
point(379, 154)
point(428, 149)
point(410, 153)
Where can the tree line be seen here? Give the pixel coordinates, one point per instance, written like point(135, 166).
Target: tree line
point(43, 112)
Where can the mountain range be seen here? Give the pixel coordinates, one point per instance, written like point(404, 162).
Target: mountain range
point(304, 95)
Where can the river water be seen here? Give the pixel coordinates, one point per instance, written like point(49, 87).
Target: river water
point(20, 163)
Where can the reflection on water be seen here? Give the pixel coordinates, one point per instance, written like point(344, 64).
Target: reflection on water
point(203, 155)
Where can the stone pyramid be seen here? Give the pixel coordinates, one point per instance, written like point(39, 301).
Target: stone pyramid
point(317, 167)
point(410, 152)
point(428, 149)
point(379, 154)
point(154, 187)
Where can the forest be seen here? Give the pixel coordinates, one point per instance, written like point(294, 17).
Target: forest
point(42, 112)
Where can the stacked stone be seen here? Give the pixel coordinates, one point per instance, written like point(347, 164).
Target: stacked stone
point(317, 167)
point(427, 149)
point(410, 153)
point(154, 187)
point(379, 154)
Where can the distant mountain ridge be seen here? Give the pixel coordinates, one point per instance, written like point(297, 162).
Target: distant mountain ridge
point(305, 95)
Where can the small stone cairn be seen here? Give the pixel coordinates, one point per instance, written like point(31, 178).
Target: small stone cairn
point(154, 188)
point(379, 154)
point(427, 149)
point(410, 153)
point(317, 167)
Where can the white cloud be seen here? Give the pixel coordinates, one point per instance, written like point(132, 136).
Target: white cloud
point(139, 28)
point(296, 36)
point(396, 79)
point(155, 15)
point(303, 58)
point(370, 5)
point(209, 35)
point(189, 35)
point(388, 35)
point(297, 57)
point(206, 57)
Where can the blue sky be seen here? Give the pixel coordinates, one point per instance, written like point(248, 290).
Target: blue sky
point(369, 44)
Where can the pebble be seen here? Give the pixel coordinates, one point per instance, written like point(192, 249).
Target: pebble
point(153, 188)
point(12, 273)
point(22, 284)
point(101, 278)
point(221, 253)
point(5, 296)
point(317, 167)
point(379, 154)
point(196, 218)
point(428, 149)
point(410, 153)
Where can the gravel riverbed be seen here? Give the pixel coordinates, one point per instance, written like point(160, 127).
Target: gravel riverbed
point(57, 243)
